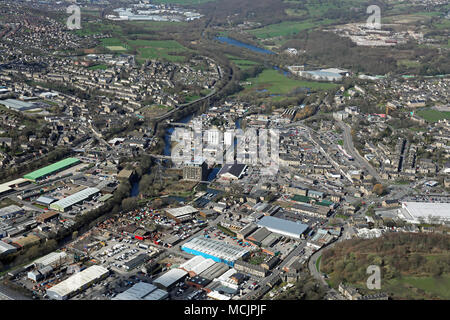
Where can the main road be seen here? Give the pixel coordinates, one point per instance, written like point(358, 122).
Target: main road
point(350, 148)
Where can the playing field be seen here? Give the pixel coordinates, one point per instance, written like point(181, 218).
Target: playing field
point(433, 115)
point(157, 49)
point(274, 82)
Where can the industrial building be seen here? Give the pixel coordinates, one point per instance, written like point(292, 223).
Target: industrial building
point(51, 169)
point(45, 201)
point(47, 216)
point(7, 187)
point(214, 271)
point(181, 214)
point(18, 105)
point(79, 281)
point(6, 248)
point(52, 259)
point(170, 278)
point(10, 211)
point(142, 291)
point(425, 212)
point(197, 265)
point(216, 250)
point(66, 204)
point(283, 227)
point(40, 274)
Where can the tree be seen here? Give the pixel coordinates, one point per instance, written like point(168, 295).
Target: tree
point(129, 204)
point(379, 189)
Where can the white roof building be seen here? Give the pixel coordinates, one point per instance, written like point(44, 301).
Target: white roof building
point(67, 203)
point(181, 211)
point(170, 278)
point(78, 281)
point(51, 259)
point(428, 212)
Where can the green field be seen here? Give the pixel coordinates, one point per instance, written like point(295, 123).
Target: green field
point(114, 44)
point(157, 49)
point(277, 83)
point(410, 287)
point(242, 63)
point(286, 28)
point(433, 115)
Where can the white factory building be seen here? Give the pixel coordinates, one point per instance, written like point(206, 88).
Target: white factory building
point(425, 212)
point(79, 281)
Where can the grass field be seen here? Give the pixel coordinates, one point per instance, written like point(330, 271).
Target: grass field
point(114, 44)
point(157, 49)
point(433, 115)
point(277, 83)
point(410, 287)
point(242, 63)
point(286, 28)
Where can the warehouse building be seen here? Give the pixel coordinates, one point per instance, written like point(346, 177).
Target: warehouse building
point(181, 214)
point(45, 201)
point(246, 231)
point(6, 248)
point(18, 105)
point(258, 236)
point(76, 283)
point(66, 204)
point(38, 275)
point(197, 265)
point(169, 279)
point(47, 216)
point(198, 282)
point(53, 259)
point(425, 212)
point(51, 169)
point(283, 227)
point(214, 271)
point(142, 291)
point(216, 250)
point(10, 211)
point(8, 187)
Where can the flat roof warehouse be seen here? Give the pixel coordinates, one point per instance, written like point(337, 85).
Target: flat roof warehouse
point(66, 203)
point(283, 227)
point(51, 169)
point(78, 281)
point(216, 250)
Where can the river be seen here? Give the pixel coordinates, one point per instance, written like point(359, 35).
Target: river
point(237, 43)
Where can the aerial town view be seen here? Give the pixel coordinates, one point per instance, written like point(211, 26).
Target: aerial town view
point(205, 150)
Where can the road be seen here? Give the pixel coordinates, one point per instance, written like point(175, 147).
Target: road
point(313, 259)
point(350, 148)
